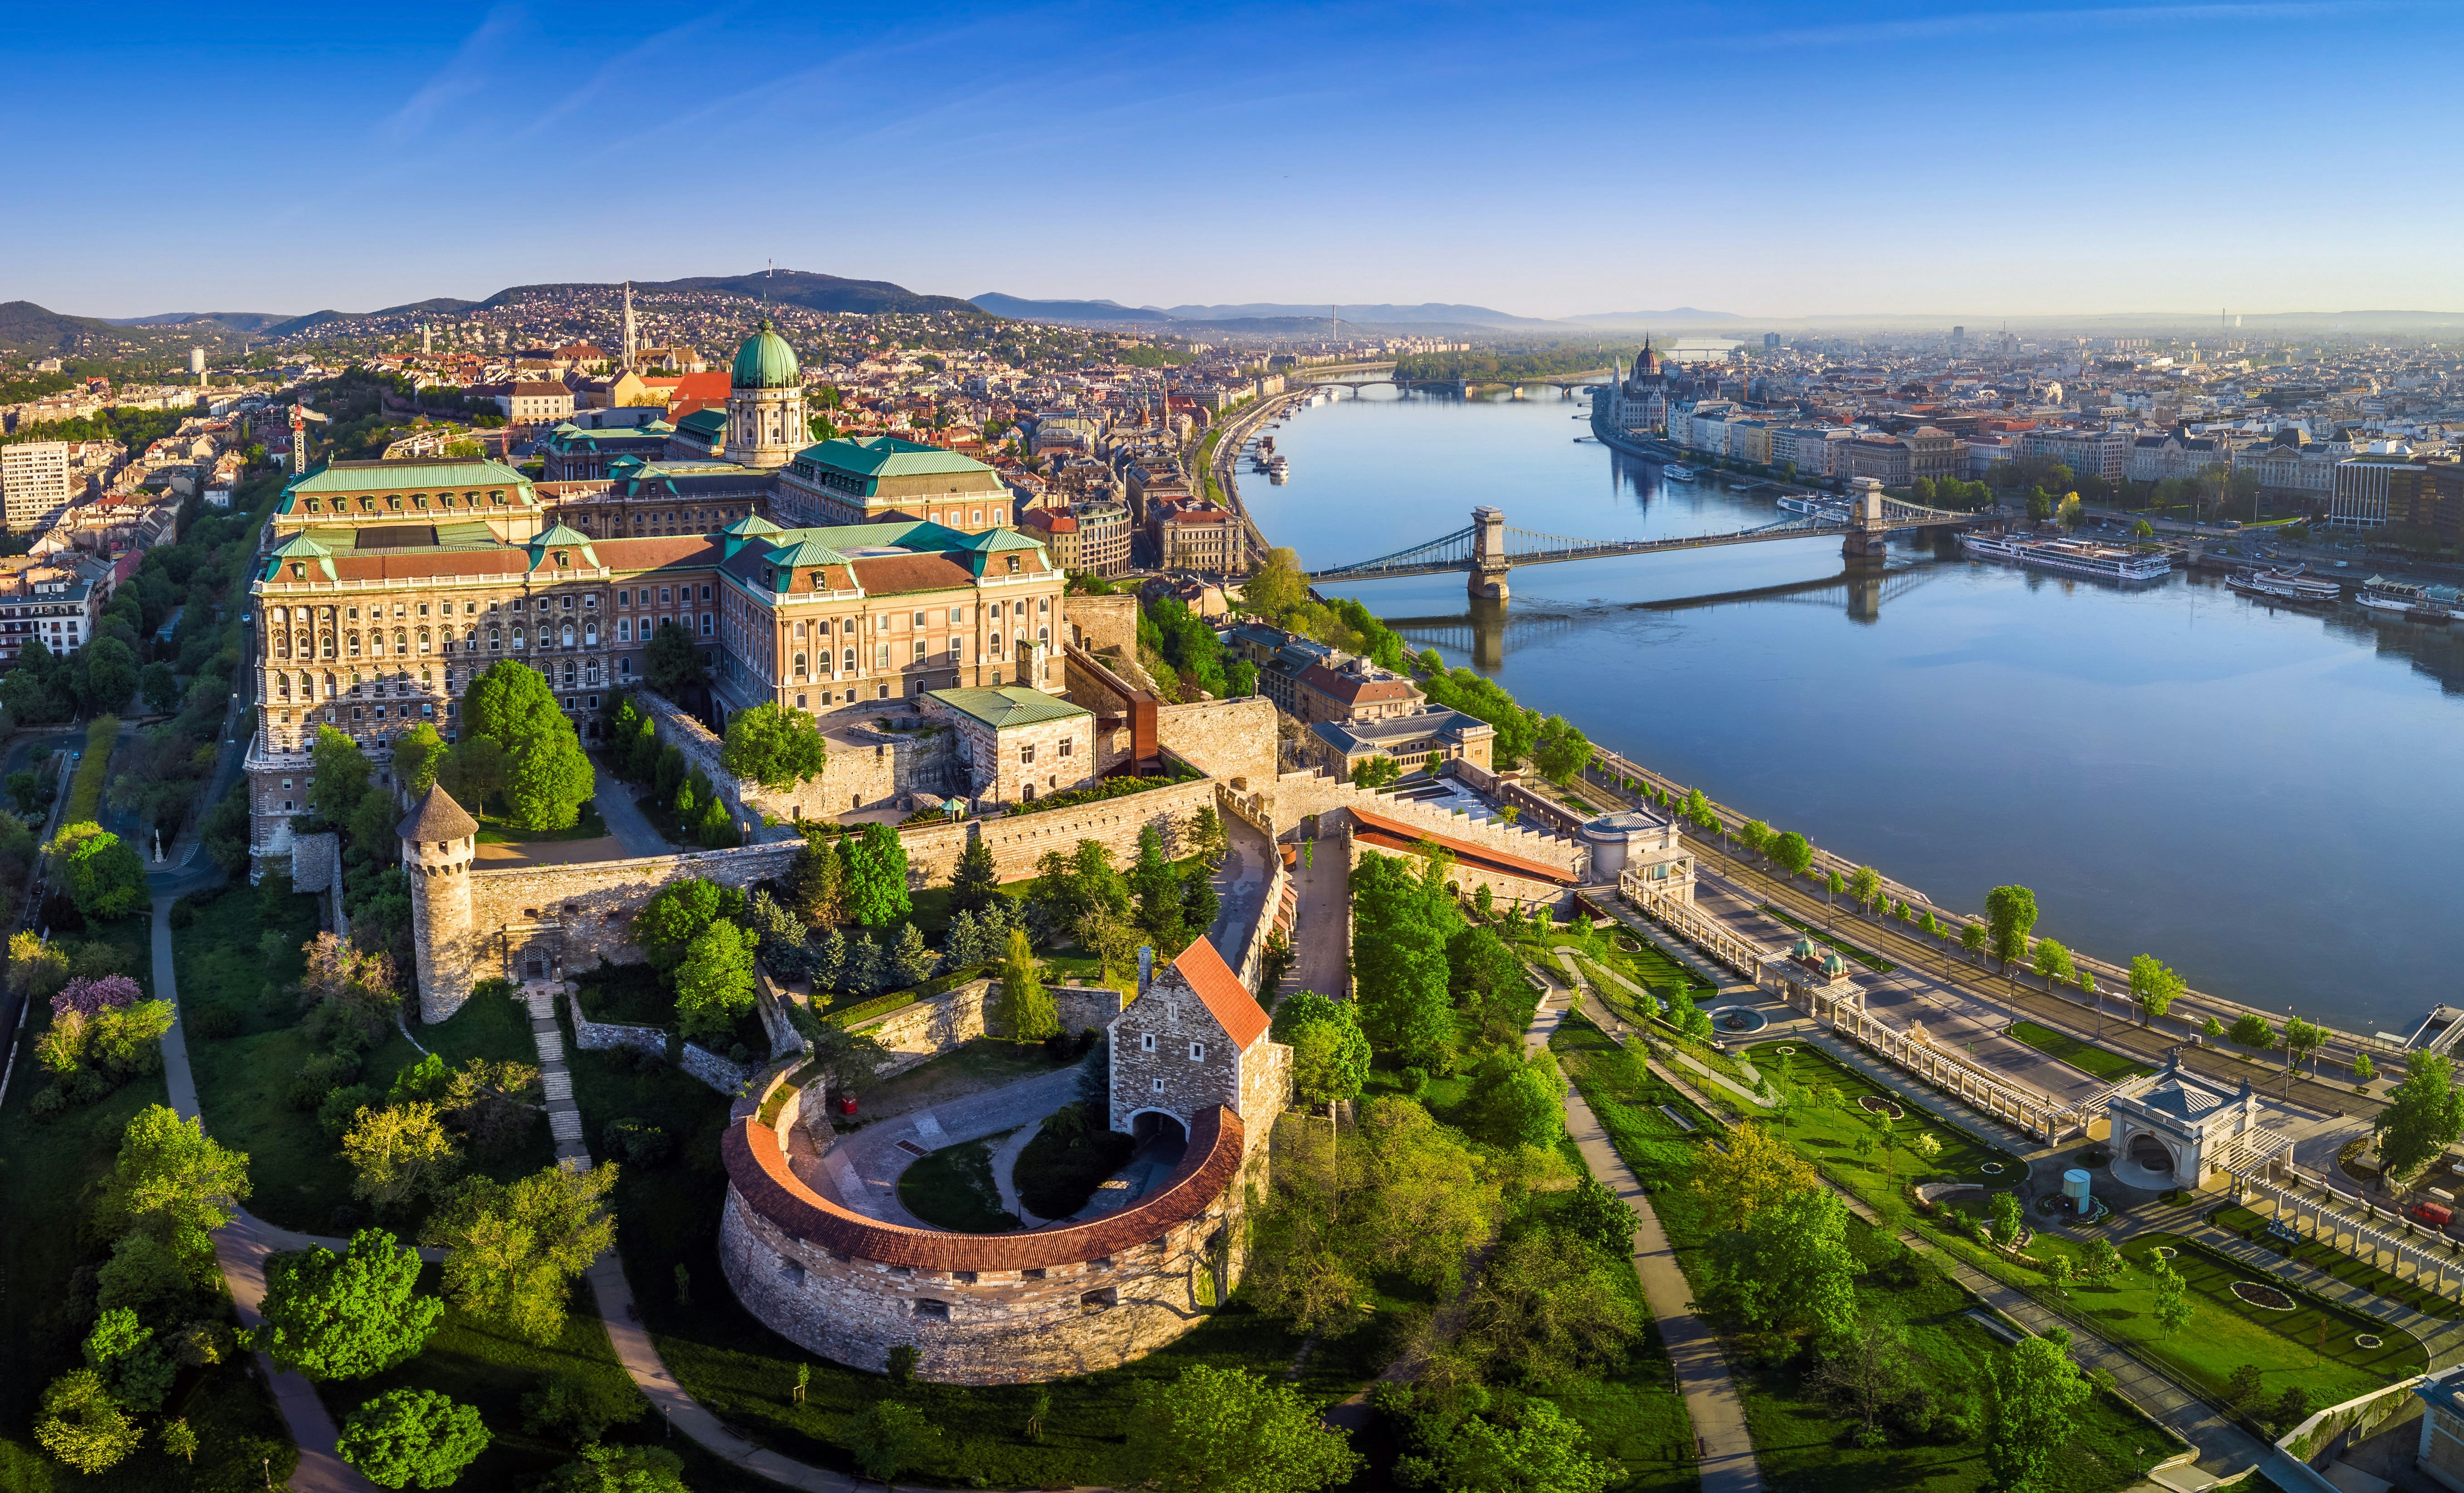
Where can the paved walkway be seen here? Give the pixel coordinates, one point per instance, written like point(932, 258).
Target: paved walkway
point(556, 1081)
point(1606, 1020)
point(861, 1169)
point(624, 820)
point(1321, 922)
point(1711, 1401)
point(1240, 888)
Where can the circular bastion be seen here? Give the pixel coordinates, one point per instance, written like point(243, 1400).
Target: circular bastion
point(978, 1308)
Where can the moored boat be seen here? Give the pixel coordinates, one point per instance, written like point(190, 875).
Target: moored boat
point(2287, 585)
point(2401, 598)
point(1678, 473)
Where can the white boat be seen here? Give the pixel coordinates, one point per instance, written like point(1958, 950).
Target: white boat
point(2287, 585)
point(1678, 473)
point(2402, 597)
point(1825, 507)
point(1991, 546)
point(2071, 557)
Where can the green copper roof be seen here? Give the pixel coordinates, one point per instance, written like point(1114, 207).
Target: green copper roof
point(1013, 705)
point(749, 526)
point(556, 536)
point(300, 544)
point(363, 477)
point(888, 456)
point(766, 362)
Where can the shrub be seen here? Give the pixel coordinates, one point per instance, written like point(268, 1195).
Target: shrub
point(319, 1076)
point(214, 1020)
point(340, 1110)
point(636, 1142)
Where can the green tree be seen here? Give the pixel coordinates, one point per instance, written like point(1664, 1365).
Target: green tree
point(1401, 922)
point(162, 689)
point(2251, 1032)
point(1866, 887)
point(418, 753)
point(1158, 890)
point(875, 865)
point(1972, 938)
point(83, 1426)
point(621, 1469)
point(2363, 1070)
point(123, 1351)
point(546, 776)
point(399, 1153)
point(1560, 750)
point(1833, 884)
point(110, 673)
point(1755, 1174)
point(1331, 1053)
point(675, 916)
point(1546, 1310)
point(974, 883)
point(2033, 1395)
point(1598, 1216)
point(1517, 1100)
point(2054, 961)
point(815, 888)
point(890, 1437)
point(2153, 986)
point(514, 1250)
point(774, 746)
point(1531, 1448)
point(345, 1316)
point(671, 665)
point(179, 1440)
point(714, 982)
point(1205, 835)
point(174, 1183)
point(2300, 1040)
point(2423, 1115)
point(1867, 1367)
point(104, 877)
point(2174, 1310)
point(2012, 911)
point(1790, 1266)
point(1228, 1431)
point(412, 1439)
point(1792, 853)
point(1754, 835)
point(1026, 1011)
point(1277, 587)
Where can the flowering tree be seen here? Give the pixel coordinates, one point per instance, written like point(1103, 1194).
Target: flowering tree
point(101, 993)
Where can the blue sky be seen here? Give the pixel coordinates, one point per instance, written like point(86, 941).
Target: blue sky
point(1769, 158)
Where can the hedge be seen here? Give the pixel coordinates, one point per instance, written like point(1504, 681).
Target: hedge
point(938, 985)
point(93, 770)
point(1109, 788)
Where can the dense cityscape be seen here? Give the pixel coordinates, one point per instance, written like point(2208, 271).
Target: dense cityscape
point(682, 861)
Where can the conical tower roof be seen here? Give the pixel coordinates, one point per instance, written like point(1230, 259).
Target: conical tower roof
point(437, 817)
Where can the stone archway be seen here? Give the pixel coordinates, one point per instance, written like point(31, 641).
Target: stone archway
point(1147, 1125)
point(2148, 1160)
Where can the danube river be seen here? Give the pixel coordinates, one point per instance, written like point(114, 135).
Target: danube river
point(2260, 797)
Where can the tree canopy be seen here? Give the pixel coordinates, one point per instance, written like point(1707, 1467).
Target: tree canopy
point(174, 1182)
point(345, 1316)
point(105, 879)
point(546, 777)
point(875, 879)
point(515, 1248)
point(412, 1439)
point(2011, 911)
point(1402, 918)
point(1228, 1431)
point(2423, 1116)
point(774, 746)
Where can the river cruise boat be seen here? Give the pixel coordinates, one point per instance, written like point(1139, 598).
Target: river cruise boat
point(2287, 585)
point(1829, 508)
point(2071, 557)
point(2401, 598)
point(1280, 469)
point(1992, 546)
point(1678, 473)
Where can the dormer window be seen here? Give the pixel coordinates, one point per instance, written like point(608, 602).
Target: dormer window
point(820, 582)
point(394, 503)
point(297, 570)
point(770, 576)
point(313, 506)
point(561, 562)
point(1013, 565)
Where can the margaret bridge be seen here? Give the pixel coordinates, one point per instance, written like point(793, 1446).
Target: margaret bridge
point(1487, 547)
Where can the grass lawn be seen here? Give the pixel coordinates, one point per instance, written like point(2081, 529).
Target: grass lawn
point(495, 829)
point(243, 1080)
point(2096, 1062)
point(1607, 947)
point(1055, 1177)
point(2344, 1268)
point(50, 1171)
point(953, 1189)
point(668, 1216)
point(1828, 1135)
point(1800, 1439)
point(972, 1068)
point(1864, 956)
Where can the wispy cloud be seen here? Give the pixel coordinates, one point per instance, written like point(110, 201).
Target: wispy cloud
point(459, 78)
point(1977, 23)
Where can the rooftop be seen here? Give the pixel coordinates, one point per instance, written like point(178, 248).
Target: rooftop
point(1009, 706)
point(888, 456)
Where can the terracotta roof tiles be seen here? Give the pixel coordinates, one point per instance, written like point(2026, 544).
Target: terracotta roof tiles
point(1226, 998)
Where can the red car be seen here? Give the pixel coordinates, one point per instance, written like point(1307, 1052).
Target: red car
point(2435, 1214)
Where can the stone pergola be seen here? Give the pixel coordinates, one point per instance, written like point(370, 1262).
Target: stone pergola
point(2172, 1128)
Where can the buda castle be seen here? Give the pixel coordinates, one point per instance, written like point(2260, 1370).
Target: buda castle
point(815, 575)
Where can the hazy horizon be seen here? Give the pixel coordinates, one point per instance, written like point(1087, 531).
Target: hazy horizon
point(1762, 161)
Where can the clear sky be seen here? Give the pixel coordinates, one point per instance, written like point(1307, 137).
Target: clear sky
point(1769, 158)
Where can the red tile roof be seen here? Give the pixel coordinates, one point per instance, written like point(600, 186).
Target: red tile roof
point(1394, 834)
point(1226, 998)
point(888, 574)
point(760, 1176)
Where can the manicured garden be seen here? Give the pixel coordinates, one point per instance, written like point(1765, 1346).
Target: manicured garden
point(2351, 1269)
point(1833, 1113)
point(1805, 1436)
point(953, 1189)
point(2098, 1063)
point(1864, 956)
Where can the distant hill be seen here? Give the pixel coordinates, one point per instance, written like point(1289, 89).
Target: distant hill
point(1105, 312)
point(443, 305)
point(26, 329)
point(1381, 314)
point(1681, 315)
point(314, 319)
point(241, 322)
point(788, 287)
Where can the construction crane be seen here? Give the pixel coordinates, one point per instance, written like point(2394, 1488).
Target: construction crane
point(300, 415)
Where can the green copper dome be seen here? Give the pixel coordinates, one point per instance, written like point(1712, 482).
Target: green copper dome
point(766, 362)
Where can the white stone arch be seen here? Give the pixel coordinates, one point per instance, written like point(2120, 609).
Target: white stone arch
point(1179, 1122)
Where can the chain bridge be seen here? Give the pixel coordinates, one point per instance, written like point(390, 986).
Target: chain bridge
point(1487, 547)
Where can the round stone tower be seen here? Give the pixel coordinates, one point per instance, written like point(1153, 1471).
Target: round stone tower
point(439, 843)
point(765, 402)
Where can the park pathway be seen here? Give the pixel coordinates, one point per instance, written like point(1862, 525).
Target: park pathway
point(556, 1080)
point(1727, 1449)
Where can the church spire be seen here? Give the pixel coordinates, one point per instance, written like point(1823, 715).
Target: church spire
point(629, 326)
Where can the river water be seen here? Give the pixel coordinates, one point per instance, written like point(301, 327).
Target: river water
point(2270, 801)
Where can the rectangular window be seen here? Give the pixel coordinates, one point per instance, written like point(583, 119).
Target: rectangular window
point(920, 646)
point(1065, 747)
point(1198, 1053)
point(1026, 754)
point(1146, 1043)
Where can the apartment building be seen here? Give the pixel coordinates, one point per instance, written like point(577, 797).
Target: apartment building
point(33, 484)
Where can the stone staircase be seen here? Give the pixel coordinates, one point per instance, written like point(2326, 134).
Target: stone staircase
point(556, 1080)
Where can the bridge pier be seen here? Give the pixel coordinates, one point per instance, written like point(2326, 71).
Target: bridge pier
point(1488, 562)
point(1868, 541)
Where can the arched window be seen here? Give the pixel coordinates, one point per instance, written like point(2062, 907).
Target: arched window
point(331, 688)
point(518, 640)
point(285, 681)
point(848, 663)
point(355, 645)
point(401, 641)
point(422, 640)
point(800, 666)
point(567, 635)
point(590, 634)
point(496, 640)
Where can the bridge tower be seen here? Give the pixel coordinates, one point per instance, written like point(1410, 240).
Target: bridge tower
point(1488, 562)
point(1868, 540)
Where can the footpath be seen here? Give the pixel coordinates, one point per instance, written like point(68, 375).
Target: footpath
point(1712, 1403)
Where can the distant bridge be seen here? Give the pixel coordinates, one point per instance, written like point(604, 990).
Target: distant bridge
point(1488, 548)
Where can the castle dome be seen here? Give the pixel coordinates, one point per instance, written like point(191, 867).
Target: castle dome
point(766, 362)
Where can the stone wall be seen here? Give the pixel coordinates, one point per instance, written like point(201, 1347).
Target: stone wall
point(983, 1309)
point(710, 1068)
point(1019, 841)
point(1231, 740)
point(869, 768)
point(917, 1034)
point(1514, 891)
point(1096, 623)
point(1301, 795)
point(1171, 1057)
point(601, 1035)
point(316, 866)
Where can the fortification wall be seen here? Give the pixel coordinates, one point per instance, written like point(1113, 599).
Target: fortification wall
point(1017, 840)
point(981, 1309)
point(1301, 795)
point(601, 1035)
point(1097, 623)
point(1231, 740)
point(1518, 891)
point(919, 1033)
